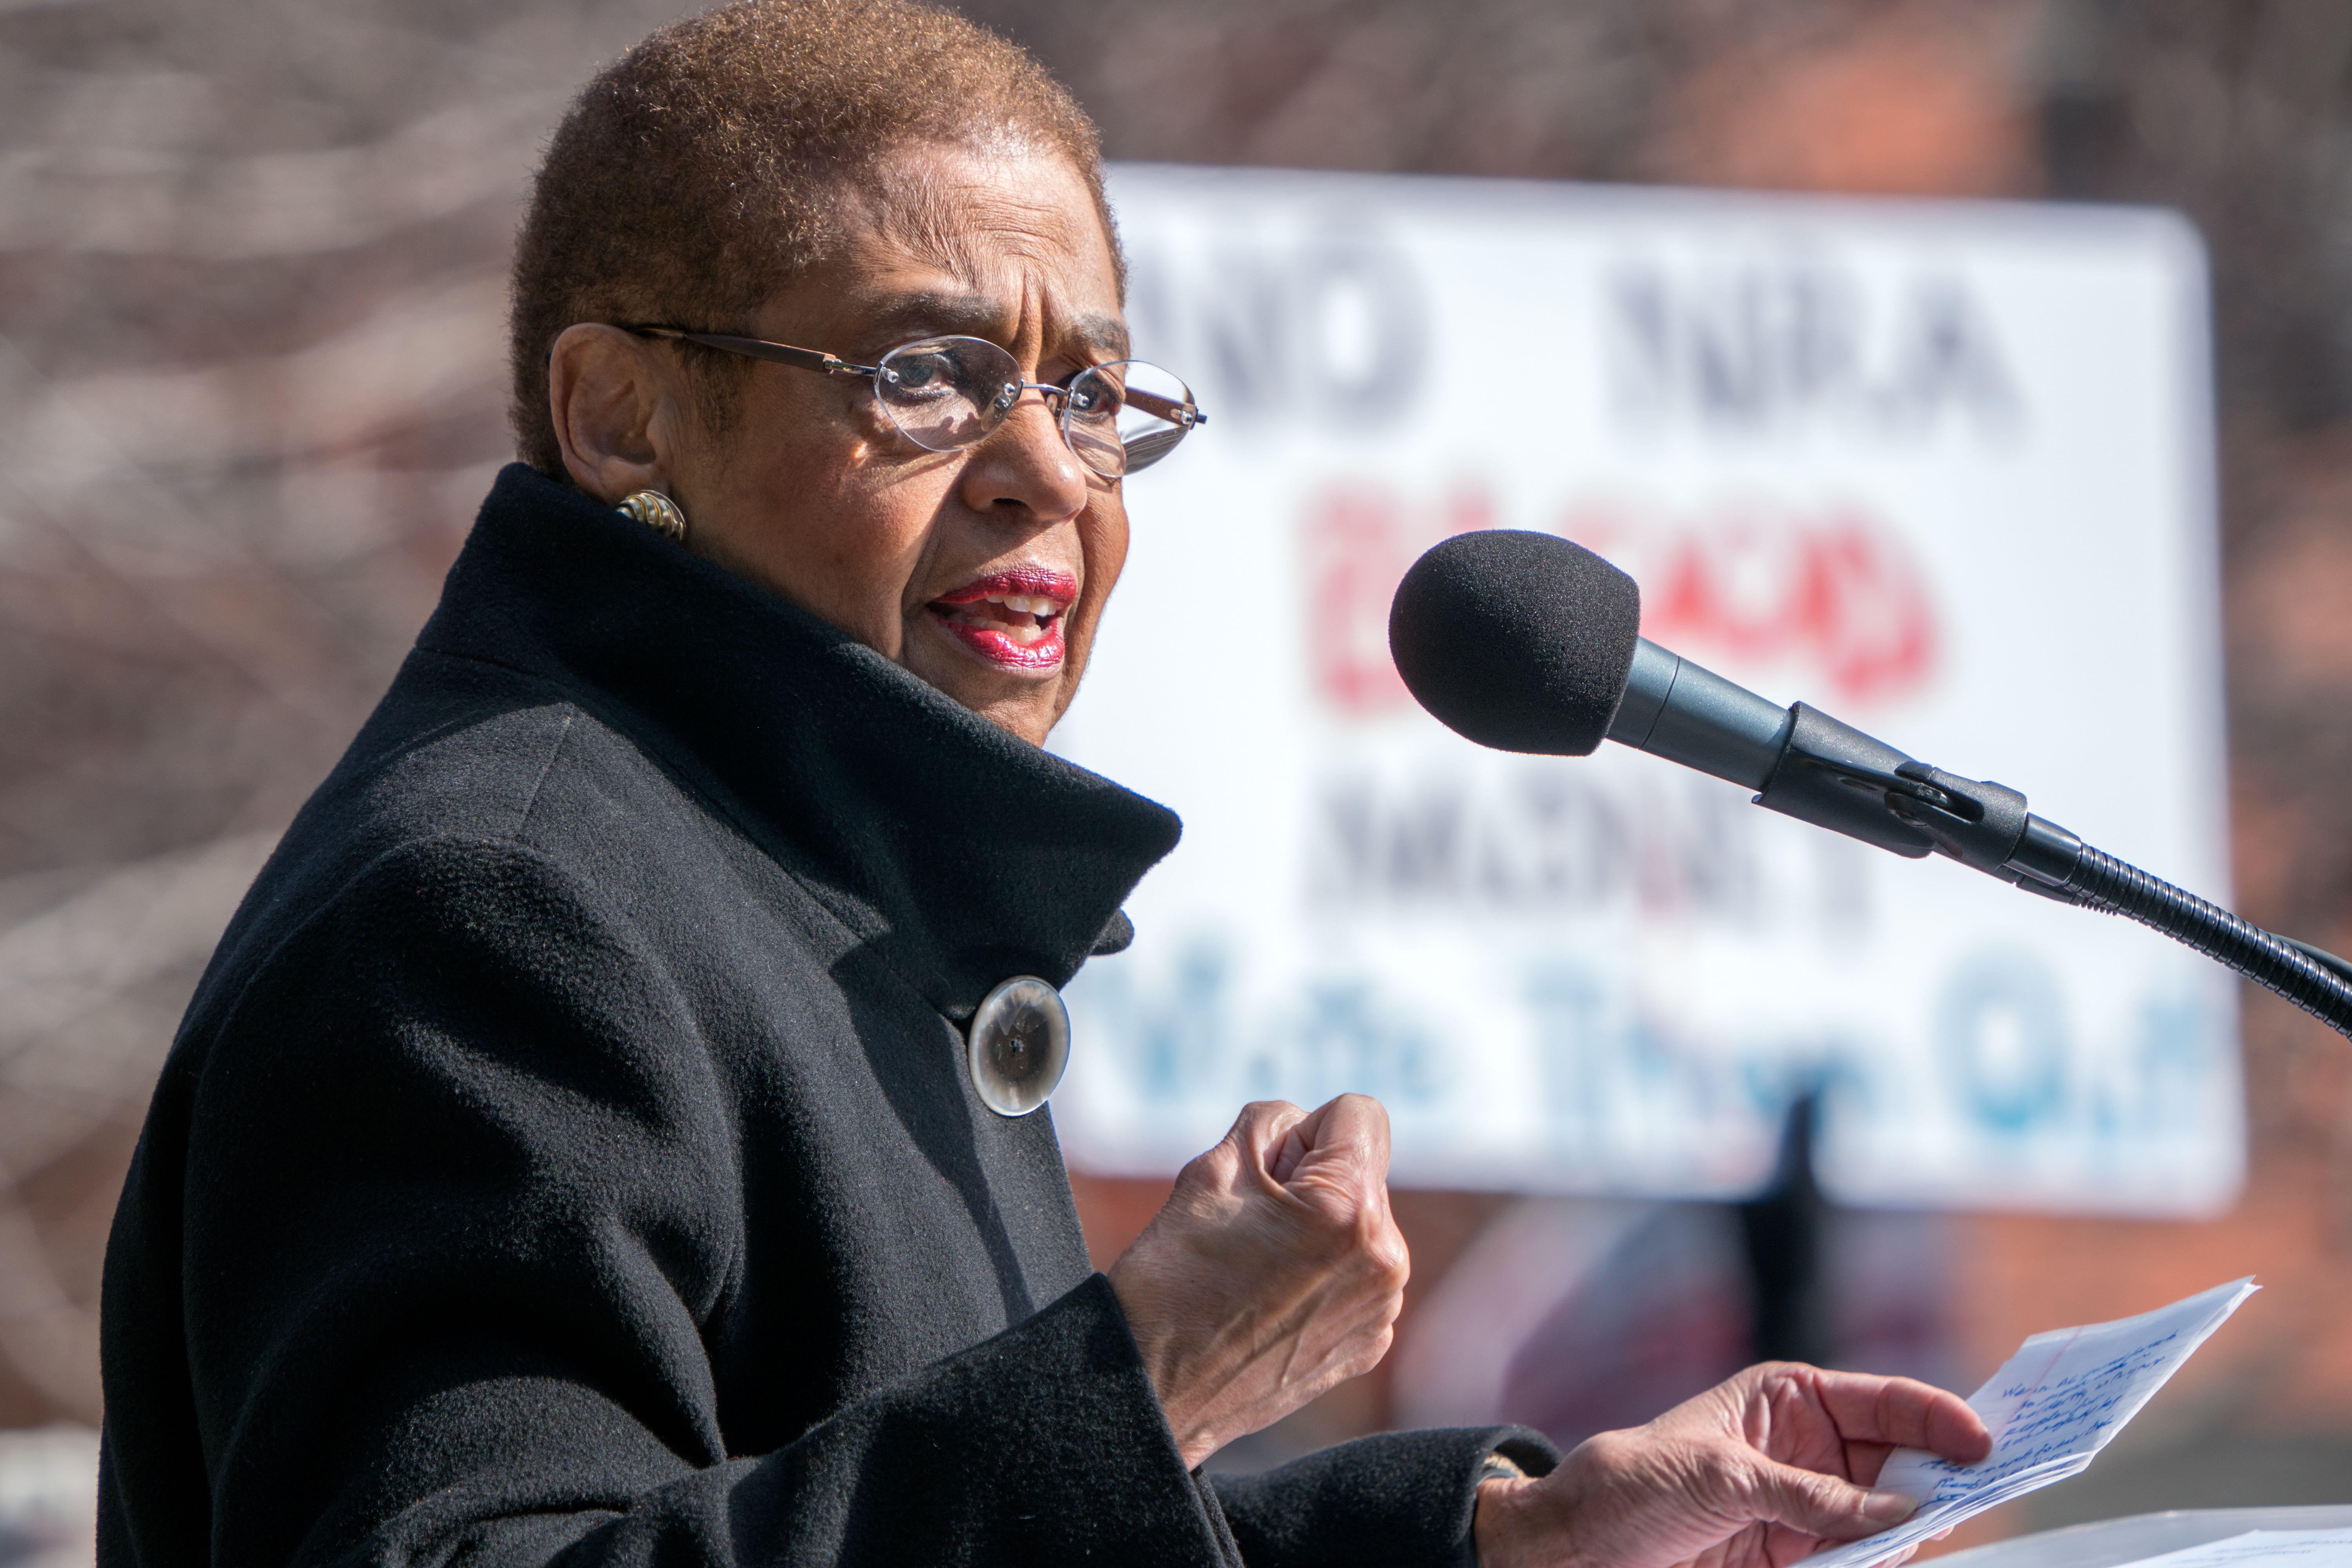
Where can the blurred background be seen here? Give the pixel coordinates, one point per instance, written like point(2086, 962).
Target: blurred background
point(252, 259)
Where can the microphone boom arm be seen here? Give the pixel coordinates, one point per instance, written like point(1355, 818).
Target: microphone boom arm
point(1805, 764)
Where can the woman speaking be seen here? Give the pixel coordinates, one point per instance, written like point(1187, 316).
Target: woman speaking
point(609, 1131)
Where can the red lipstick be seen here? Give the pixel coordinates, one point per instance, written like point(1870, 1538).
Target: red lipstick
point(1034, 582)
point(1011, 618)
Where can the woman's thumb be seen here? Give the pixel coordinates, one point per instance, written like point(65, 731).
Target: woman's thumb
point(1823, 1505)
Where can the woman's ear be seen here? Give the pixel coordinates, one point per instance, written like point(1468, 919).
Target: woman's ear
point(615, 411)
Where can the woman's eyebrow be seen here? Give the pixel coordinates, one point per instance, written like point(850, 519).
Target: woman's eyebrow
point(975, 315)
point(894, 319)
point(1105, 336)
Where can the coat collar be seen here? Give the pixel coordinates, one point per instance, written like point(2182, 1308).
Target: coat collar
point(964, 853)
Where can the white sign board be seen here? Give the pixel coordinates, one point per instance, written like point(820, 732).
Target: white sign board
point(1944, 471)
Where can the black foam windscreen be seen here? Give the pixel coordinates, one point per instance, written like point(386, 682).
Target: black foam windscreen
point(1518, 641)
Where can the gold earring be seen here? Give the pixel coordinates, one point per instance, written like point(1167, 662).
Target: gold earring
point(658, 512)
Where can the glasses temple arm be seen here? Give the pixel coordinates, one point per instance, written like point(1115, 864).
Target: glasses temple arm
point(758, 348)
point(1166, 407)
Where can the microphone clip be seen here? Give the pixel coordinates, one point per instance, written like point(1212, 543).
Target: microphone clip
point(1835, 777)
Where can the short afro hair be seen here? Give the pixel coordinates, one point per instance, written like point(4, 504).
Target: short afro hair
point(693, 177)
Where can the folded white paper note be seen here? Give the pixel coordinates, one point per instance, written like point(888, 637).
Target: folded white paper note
point(2287, 1548)
point(2050, 1408)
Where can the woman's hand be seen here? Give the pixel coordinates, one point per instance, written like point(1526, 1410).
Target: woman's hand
point(1274, 1271)
point(1754, 1473)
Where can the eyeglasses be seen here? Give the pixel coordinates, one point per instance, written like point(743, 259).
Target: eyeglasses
point(944, 394)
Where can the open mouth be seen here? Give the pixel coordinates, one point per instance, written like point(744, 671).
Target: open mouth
point(1012, 619)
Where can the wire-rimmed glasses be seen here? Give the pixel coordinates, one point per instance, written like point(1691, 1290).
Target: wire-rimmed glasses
point(951, 392)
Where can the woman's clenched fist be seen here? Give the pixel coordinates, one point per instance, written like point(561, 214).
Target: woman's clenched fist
point(1274, 1271)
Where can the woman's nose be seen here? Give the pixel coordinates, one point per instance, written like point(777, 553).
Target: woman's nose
point(1027, 467)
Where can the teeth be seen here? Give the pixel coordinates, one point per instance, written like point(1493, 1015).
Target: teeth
point(1037, 604)
point(1025, 636)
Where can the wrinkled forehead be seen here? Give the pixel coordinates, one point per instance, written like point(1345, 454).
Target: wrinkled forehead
point(1000, 243)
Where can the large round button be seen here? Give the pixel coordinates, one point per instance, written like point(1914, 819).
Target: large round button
point(1019, 1044)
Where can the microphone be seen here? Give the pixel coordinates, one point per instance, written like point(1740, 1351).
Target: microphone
point(1525, 642)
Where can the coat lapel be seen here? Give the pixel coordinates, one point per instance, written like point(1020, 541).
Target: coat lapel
point(963, 853)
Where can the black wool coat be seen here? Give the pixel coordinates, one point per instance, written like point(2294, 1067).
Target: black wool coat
point(569, 1156)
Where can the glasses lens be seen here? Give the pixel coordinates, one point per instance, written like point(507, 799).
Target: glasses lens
point(945, 393)
point(1127, 416)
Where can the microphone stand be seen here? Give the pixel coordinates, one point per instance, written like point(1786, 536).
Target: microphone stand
point(1835, 777)
point(1780, 1232)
